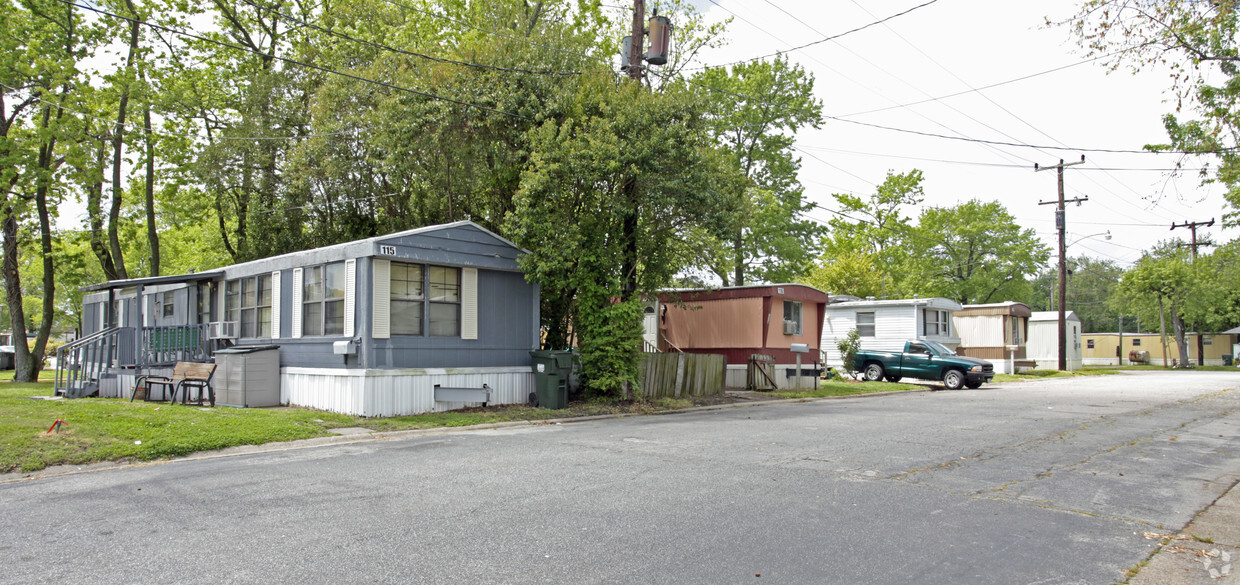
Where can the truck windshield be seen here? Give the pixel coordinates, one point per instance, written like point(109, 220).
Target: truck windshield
point(938, 348)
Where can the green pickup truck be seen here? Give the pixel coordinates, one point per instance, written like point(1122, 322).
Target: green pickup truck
point(925, 360)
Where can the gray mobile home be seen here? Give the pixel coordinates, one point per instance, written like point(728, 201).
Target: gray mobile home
point(367, 327)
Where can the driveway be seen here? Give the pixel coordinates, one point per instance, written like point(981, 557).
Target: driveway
point(1040, 482)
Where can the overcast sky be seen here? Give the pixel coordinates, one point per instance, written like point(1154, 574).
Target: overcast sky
point(953, 46)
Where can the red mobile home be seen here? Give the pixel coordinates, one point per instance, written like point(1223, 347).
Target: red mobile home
point(738, 322)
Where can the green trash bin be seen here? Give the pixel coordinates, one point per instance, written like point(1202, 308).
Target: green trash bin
point(551, 372)
point(1228, 359)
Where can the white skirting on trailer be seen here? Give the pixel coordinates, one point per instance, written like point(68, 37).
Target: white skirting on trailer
point(736, 376)
point(398, 392)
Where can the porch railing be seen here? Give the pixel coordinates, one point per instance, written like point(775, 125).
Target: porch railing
point(168, 345)
point(81, 364)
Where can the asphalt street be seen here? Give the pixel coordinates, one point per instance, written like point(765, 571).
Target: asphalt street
point(1041, 483)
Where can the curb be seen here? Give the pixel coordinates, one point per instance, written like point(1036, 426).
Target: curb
point(240, 450)
point(1206, 550)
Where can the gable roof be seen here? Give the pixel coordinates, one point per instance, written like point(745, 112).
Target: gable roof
point(1053, 316)
point(1004, 308)
point(934, 302)
point(334, 252)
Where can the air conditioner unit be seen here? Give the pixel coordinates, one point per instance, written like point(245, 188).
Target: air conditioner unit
point(790, 327)
point(222, 330)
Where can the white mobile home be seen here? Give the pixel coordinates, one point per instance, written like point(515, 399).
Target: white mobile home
point(885, 325)
point(1043, 346)
point(370, 327)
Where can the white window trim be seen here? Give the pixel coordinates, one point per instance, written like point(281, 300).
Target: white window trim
point(469, 303)
point(381, 299)
point(275, 304)
point(297, 295)
point(350, 296)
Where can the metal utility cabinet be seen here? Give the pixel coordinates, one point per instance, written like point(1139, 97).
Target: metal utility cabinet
point(248, 376)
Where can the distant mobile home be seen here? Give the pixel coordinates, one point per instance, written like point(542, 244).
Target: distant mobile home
point(1105, 349)
point(885, 325)
point(738, 322)
point(368, 327)
point(1043, 345)
point(996, 332)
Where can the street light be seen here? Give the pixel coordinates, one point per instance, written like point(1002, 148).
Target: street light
point(1107, 235)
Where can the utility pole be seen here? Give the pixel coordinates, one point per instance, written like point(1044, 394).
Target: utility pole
point(1192, 227)
point(637, 40)
point(1121, 341)
point(1063, 260)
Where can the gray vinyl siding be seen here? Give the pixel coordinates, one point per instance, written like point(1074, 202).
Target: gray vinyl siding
point(90, 317)
point(507, 306)
point(507, 314)
point(456, 246)
point(180, 299)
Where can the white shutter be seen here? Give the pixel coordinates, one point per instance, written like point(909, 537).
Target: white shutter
point(276, 305)
point(220, 315)
point(350, 295)
point(381, 300)
point(297, 291)
point(469, 303)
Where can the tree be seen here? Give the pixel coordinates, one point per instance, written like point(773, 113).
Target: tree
point(624, 157)
point(1197, 42)
point(1156, 283)
point(756, 110)
point(1091, 282)
point(849, 272)
point(975, 253)
point(877, 228)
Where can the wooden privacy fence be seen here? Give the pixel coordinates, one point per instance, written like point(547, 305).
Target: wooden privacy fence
point(674, 375)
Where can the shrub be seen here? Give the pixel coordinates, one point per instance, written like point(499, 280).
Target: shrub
point(849, 346)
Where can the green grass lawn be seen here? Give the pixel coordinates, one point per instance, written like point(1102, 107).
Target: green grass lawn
point(1160, 367)
point(837, 387)
point(110, 429)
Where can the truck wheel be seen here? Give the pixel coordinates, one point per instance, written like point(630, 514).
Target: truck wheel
point(953, 379)
point(893, 379)
point(972, 385)
point(873, 372)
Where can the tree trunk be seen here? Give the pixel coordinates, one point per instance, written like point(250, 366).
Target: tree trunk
point(738, 245)
point(152, 234)
point(49, 268)
point(1180, 342)
point(118, 147)
point(25, 370)
point(94, 210)
point(1162, 329)
point(628, 268)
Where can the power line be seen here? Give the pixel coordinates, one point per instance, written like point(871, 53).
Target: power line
point(932, 134)
point(295, 62)
point(375, 45)
point(977, 89)
point(818, 42)
point(982, 164)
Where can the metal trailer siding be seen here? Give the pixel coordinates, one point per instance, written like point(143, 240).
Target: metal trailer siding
point(507, 308)
point(506, 316)
point(895, 322)
point(398, 392)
